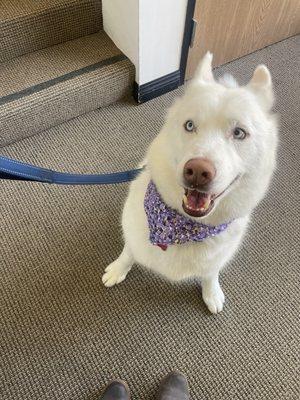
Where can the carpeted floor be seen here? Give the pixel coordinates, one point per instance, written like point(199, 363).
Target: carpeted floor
point(63, 335)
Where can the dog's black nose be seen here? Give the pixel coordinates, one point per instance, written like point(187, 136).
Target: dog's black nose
point(198, 172)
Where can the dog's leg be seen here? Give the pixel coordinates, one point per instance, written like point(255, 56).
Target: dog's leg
point(212, 293)
point(116, 272)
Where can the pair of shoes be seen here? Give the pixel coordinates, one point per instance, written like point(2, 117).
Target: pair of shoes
point(173, 387)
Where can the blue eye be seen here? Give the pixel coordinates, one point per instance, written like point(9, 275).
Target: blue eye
point(189, 126)
point(239, 133)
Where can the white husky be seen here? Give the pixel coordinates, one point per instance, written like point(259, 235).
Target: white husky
point(211, 163)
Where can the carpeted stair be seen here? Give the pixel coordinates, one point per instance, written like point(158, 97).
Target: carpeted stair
point(29, 25)
point(56, 63)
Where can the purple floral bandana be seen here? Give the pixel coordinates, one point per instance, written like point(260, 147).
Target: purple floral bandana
point(168, 227)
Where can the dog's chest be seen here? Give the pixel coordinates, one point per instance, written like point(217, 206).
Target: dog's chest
point(180, 261)
point(177, 261)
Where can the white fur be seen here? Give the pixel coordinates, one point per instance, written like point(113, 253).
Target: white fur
point(215, 108)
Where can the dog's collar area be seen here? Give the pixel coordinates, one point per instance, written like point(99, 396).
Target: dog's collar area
point(167, 226)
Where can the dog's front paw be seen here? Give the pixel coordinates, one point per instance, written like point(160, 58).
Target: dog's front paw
point(214, 299)
point(115, 273)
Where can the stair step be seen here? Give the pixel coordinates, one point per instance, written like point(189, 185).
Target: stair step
point(27, 26)
point(50, 86)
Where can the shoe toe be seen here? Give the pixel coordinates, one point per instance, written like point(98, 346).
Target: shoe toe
point(174, 386)
point(116, 390)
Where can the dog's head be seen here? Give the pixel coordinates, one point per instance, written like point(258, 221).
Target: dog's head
point(217, 145)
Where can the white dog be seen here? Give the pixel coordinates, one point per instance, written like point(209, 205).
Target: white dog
point(187, 211)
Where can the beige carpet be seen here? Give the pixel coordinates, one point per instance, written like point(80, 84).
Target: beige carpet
point(47, 87)
point(30, 25)
point(63, 335)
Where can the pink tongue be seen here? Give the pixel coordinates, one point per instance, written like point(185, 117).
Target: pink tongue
point(196, 199)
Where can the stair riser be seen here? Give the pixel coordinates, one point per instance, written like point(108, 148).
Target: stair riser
point(39, 111)
point(30, 33)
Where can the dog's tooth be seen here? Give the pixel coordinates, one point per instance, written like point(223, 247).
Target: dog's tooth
point(185, 199)
point(207, 203)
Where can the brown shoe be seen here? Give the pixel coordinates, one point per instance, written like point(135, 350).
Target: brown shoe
point(116, 390)
point(174, 387)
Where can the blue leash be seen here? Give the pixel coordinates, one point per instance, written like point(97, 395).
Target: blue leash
point(17, 170)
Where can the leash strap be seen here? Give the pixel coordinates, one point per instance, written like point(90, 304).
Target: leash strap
point(17, 170)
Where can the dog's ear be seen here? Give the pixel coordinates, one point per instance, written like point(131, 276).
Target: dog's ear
point(261, 85)
point(204, 70)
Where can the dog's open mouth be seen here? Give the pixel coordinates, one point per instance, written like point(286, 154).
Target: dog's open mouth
point(197, 204)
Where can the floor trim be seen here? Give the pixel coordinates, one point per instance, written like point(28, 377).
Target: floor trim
point(157, 87)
